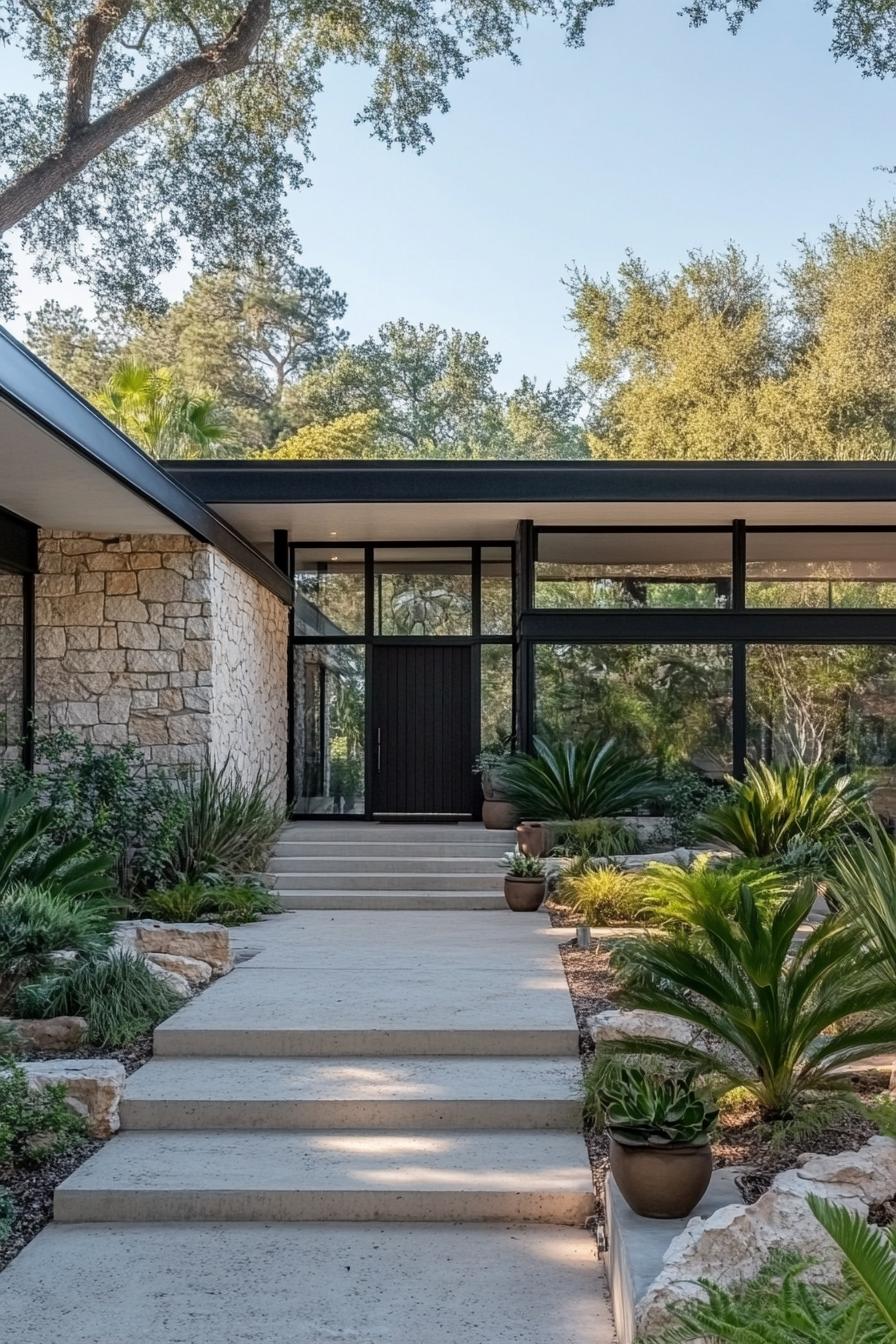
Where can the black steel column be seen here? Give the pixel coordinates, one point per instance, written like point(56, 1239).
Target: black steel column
point(283, 561)
point(524, 583)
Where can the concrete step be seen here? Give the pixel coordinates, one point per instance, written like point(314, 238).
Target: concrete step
point(358, 899)
point(360, 1093)
point(391, 865)
point(340, 880)
point(325, 849)
point(350, 1175)
point(373, 832)
point(305, 1283)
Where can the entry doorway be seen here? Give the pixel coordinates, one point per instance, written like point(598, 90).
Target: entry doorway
point(421, 719)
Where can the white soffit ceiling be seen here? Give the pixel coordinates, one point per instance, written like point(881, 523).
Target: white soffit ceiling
point(48, 483)
point(452, 521)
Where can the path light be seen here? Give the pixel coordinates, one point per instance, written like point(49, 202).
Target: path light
point(584, 941)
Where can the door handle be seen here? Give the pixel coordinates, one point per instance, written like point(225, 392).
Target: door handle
point(379, 749)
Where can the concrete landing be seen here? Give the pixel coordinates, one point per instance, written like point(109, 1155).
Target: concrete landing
point(360, 1283)
point(277, 1176)
point(361, 1093)
point(311, 898)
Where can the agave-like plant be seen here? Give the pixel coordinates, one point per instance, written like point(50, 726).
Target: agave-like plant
point(645, 1110)
point(71, 870)
point(764, 1004)
point(862, 884)
point(577, 780)
point(773, 805)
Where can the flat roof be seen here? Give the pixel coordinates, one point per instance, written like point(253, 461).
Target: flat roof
point(64, 466)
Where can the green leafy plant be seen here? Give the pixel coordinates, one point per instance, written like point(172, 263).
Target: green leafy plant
point(7, 1213)
point(577, 780)
point(684, 796)
point(862, 883)
point(644, 1109)
point(34, 1124)
point(117, 994)
point(765, 1004)
point(602, 896)
point(35, 923)
point(226, 829)
point(523, 865)
point(774, 805)
point(230, 904)
point(673, 894)
point(28, 854)
point(778, 1306)
point(595, 837)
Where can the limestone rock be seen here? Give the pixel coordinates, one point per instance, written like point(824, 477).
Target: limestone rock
point(617, 1025)
point(93, 1088)
point(196, 973)
point(50, 1033)
point(178, 983)
point(732, 1244)
point(204, 942)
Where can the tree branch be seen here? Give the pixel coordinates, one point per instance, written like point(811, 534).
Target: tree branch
point(90, 35)
point(218, 59)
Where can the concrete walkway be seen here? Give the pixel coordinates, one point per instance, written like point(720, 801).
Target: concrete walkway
point(369, 1131)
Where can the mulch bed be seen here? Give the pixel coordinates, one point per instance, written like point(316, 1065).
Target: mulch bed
point(740, 1140)
point(131, 1056)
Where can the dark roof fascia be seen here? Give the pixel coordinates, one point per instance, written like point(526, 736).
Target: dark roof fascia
point(18, 543)
point(252, 482)
point(29, 385)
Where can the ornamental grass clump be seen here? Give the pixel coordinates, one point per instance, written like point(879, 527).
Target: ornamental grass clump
point(780, 1018)
point(595, 838)
point(576, 781)
point(602, 896)
point(35, 923)
point(226, 829)
point(117, 994)
point(774, 805)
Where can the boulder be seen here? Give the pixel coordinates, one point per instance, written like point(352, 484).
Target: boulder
point(179, 983)
point(50, 1033)
point(196, 973)
point(204, 942)
point(734, 1242)
point(93, 1088)
point(614, 1024)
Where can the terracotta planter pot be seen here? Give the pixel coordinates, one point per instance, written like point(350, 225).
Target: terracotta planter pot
point(664, 1182)
point(534, 838)
point(524, 893)
point(498, 815)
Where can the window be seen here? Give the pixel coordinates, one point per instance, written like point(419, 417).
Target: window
point(496, 692)
point(633, 569)
point(423, 592)
point(329, 727)
point(12, 664)
point(497, 590)
point(329, 586)
point(821, 569)
point(671, 702)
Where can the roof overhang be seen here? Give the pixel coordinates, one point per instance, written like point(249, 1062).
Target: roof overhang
point(391, 501)
point(65, 467)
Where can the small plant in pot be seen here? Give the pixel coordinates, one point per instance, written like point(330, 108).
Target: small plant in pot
point(498, 813)
point(659, 1129)
point(524, 881)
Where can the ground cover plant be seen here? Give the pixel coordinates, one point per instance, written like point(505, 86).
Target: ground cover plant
point(227, 903)
point(33, 1124)
point(577, 780)
point(773, 806)
point(118, 995)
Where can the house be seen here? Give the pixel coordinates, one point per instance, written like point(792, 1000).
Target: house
point(360, 630)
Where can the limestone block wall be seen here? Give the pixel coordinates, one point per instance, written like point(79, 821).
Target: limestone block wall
point(12, 650)
point(160, 641)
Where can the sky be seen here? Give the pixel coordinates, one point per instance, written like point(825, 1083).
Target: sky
point(654, 137)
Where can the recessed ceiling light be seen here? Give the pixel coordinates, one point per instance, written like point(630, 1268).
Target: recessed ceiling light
point(334, 557)
point(333, 534)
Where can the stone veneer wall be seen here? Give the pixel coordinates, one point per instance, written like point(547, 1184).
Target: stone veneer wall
point(12, 651)
point(160, 641)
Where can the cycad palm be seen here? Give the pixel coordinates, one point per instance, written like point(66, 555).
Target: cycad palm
point(863, 884)
point(161, 417)
point(764, 1005)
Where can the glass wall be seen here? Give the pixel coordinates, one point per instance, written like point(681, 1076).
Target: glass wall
point(329, 586)
point(821, 569)
point(12, 664)
point(497, 590)
point(633, 569)
point(424, 593)
point(329, 700)
point(819, 702)
point(496, 682)
point(671, 702)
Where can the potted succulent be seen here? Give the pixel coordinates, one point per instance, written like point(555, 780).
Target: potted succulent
point(498, 813)
point(660, 1129)
point(524, 881)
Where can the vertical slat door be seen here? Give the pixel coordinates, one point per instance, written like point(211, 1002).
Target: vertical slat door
point(422, 706)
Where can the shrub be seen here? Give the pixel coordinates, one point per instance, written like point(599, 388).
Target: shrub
point(602, 896)
point(34, 1124)
point(643, 1108)
point(35, 923)
point(577, 780)
point(595, 837)
point(7, 1213)
point(674, 894)
point(685, 796)
point(226, 827)
point(28, 854)
point(118, 994)
point(764, 1005)
point(191, 901)
point(774, 805)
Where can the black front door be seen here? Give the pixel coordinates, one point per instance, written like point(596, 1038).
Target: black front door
point(422, 739)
